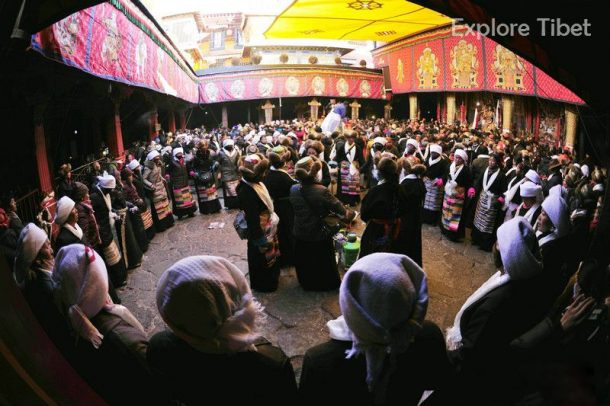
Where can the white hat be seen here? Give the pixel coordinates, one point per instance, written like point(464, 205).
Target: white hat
point(380, 140)
point(228, 142)
point(436, 148)
point(383, 298)
point(206, 301)
point(518, 249)
point(462, 154)
point(532, 175)
point(167, 149)
point(262, 133)
point(81, 288)
point(557, 211)
point(529, 189)
point(412, 141)
point(177, 151)
point(152, 155)
point(133, 164)
point(106, 181)
point(585, 170)
point(31, 240)
point(64, 207)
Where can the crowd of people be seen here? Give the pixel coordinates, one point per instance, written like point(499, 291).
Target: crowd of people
point(536, 330)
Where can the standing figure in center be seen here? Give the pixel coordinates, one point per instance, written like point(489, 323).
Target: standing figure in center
point(455, 196)
point(350, 159)
point(204, 168)
point(434, 179)
point(155, 185)
point(229, 171)
point(259, 210)
point(184, 204)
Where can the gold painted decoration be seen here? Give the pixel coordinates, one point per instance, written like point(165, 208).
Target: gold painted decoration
point(66, 32)
point(265, 87)
point(464, 65)
point(427, 70)
point(238, 89)
point(318, 84)
point(211, 91)
point(112, 42)
point(400, 73)
point(508, 68)
point(342, 87)
point(292, 85)
point(365, 88)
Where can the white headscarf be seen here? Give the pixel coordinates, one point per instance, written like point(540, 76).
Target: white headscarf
point(384, 299)
point(31, 240)
point(106, 181)
point(81, 291)
point(557, 210)
point(206, 301)
point(133, 164)
point(177, 151)
point(152, 155)
point(518, 248)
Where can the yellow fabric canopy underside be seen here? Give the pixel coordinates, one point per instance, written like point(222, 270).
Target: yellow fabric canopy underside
point(375, 20)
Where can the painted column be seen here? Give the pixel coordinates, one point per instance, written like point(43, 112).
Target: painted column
point(571, 126)
point(507, 113)
point(314, 107)
point(171, 121)
point(413, 107)
point(268, 109)
point(225, 116)
point(153, 132)
point(114, 134)
point(40, 145)
point(355, 109)
point(451, 108)
point(387, 112)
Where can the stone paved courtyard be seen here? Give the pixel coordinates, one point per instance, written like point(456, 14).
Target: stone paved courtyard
point(297, 319)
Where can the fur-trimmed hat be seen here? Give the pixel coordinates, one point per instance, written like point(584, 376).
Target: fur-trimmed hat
point(64, 169)
point(277, 156)
point(316, 145)
point(307, 168)
point(253, 167)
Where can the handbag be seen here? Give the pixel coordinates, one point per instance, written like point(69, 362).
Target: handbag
point(240, 225)
point(330, 224)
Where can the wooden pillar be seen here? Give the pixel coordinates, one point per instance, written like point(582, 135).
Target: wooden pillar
point(451, 110)
point(314, 106)
point(153, 125)
point(387, 111)
point(40, 145)
point(507, 113)
point(114, 133)
point(225, 116)
point(413, 107)
point(571, 126)
point(171, 121)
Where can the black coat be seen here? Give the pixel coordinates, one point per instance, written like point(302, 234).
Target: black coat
point(477, 169)
point(307, 222)
point(438, 170)
point(253, 206)
point(66, 237)
point(102, 216)
point(328, 378)
point(413, 192)
point(262, 377)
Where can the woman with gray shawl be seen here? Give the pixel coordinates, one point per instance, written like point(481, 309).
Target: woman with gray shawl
point(393, 355)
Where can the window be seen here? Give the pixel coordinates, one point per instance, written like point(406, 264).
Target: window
point(217, 41)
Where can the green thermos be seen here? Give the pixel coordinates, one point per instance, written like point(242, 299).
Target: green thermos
point(351, 249)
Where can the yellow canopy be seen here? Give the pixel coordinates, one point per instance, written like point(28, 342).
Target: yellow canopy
point(375, 20)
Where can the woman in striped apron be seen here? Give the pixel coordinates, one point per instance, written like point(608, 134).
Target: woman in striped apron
point(455, 195)
point(434, 180)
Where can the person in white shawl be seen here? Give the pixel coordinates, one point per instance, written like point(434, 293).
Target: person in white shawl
point(383, 300)
point(501, 309)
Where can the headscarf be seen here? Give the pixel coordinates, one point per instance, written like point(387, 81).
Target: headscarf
point(557, 210)
point(384, 299)
point(152, 155)
point(106, 181)
point(81, 291)
point(206, 301)
point(31, 240)
point(64, 208)
point(519, 251)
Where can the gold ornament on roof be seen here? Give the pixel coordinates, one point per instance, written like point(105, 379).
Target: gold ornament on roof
point(427, 69)
point(464, 65)
point(509, 69)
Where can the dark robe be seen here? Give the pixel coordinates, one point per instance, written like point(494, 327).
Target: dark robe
point(183, 201)
point(264, 275)
point(329, 378)
point(145, 206)
point(192, 377)
point(278, 184)
point(464, 181)
point(412, 193)
point(205, 168)
point(382, 209)
point(136, 204)
point(477, 170)
point(66, 237)
point(341, 157)
point(126, 232)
